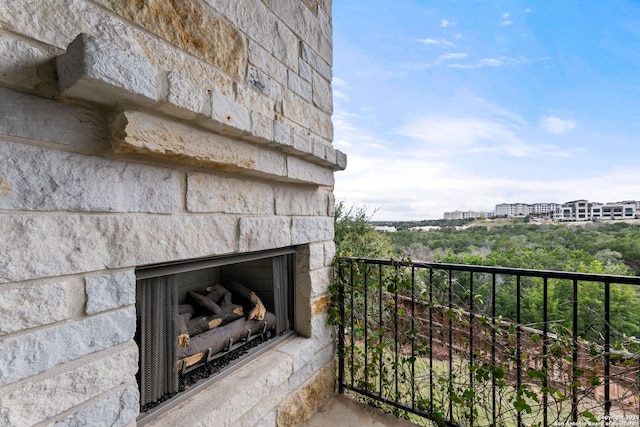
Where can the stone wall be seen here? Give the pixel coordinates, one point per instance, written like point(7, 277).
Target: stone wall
point(134, 133)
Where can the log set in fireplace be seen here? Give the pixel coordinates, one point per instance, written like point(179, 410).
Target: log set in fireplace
point(207, 311)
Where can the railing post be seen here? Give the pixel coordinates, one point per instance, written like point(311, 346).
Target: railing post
point(341, 328)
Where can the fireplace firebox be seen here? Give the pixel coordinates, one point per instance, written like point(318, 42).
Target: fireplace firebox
point(199, 315)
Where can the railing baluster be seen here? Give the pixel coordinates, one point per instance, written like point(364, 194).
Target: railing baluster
point(545, 341)
point(395, 330)
point(341, 328)
point(471, 373)
point(366, 326)
point(574, 355)
point(493, 343)
point(607, 349)
point(450, 315)
point(413, 337)
point(352, 328)
point(431, 302)
point(381, 326)
point(518, 348)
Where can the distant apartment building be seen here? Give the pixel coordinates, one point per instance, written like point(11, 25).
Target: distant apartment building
point(576, 210)
point(467, 215)
point(621, 210)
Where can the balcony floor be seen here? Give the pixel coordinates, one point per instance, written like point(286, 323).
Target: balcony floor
point(345, 412)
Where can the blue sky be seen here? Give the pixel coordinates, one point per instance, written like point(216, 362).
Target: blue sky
point(446, 105)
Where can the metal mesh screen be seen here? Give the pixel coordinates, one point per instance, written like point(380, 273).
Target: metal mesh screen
point(158, 301)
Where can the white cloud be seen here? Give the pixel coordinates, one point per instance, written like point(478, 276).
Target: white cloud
point(451, 56)
point(505, 15)
point(337, 81)
point(556, 125)
point(444, 23)
point(507, 22)
point(434, 42)
point(339, 95)
point(490, 62)
point(459, 132)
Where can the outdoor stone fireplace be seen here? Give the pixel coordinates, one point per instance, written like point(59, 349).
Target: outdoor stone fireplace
point(187, 144)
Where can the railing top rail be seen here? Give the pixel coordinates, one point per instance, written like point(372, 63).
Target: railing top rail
point(550, 274)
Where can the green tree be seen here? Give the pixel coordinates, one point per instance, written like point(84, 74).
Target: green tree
point(354, 236)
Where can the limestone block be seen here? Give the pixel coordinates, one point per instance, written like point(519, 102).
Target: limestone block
point(302, 141)
point(341, 160)
point(282, 134)
point(321, 279)
point(81, 243)
point(329, 252)
point(255, 20)
point(314, 30)
point(139, 132)
point(304, 70)
point(212, 193)
point(323, 150)
point(296, 109)
point(189, 26)
point(228, 116)
point(296, 201)
point(95, 70)
point(302, 170)
point(185, 99)
point(320, 359)
point(261, 59)
point(268, 420)
point(273, 163)
point(29, 354)
point(319, 64)
point(110, 291)
point(25, 308)
point(30, 117)
point(118, 409)
point(299, 86)
point(322, 94)
point(311, 229)
point(264, 233)
point(320, 123)
point(305, 401)
point(44, 399)
point(36, 178)
point(261, 128)
point(262, 82)
point(259, 102)
point(320, 305)
point(20, 61)
point(312, 5)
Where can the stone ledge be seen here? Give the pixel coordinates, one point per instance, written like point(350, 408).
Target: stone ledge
point(97, 71)
point(235, 395)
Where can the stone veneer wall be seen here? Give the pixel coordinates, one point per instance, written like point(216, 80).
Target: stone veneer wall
point(139, 132)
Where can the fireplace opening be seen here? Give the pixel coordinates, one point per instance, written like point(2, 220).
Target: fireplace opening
point(197, 318)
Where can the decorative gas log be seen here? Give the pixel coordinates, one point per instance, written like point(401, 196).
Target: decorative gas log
point(183, 331)
point(228, 313)
point(218, 339)
point(203, 302)
point(249, 299)
point(186, 308)
point(219, 294)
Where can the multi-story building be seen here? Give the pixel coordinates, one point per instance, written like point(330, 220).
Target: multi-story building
point(619, 210)
point(576, 210)
point(467, 215)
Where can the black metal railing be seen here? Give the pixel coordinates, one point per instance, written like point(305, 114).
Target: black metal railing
point(489, 346)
